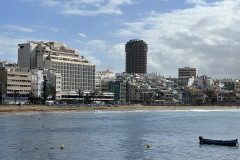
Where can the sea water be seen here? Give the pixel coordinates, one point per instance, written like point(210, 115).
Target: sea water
point(118, 135)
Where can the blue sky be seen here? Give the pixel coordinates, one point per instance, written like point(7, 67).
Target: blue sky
point(179, 33)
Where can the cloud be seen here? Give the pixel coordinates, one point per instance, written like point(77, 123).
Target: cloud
point(85, 7)
point(196, 1)
point(93, 60)
point(205, 37)
point(18, 28)
point(82, 35)
point(54, 29)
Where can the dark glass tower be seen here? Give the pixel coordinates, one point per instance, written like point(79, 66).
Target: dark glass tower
point(136, 56)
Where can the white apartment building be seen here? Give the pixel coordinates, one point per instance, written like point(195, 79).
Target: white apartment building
point(103, 75)
point(37, 82)
point(76, 73)
point(201, 82)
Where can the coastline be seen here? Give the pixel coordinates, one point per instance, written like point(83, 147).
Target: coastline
point(11, 109)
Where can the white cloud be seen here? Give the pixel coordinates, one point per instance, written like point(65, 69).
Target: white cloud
point(85, 7)
point(50, 3)
point(205, 37)
point(54, 29)
point(18, 28)
point(117, 51)
point(82, 35)
point(196, 1)
point(93, 60)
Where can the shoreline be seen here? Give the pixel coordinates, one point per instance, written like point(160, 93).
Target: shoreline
point(11, 109)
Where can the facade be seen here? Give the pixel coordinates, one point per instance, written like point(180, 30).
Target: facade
point(17, 82)
point(119, 90)
point(37, 82)
point(184, 74)
point(103, 75)
point(76, 73)
point(136, 56)
point(202, 82)
point(55, 79)
point(237, 86)
point(229, 84)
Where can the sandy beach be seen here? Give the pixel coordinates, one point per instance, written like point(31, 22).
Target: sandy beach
point(9, 109)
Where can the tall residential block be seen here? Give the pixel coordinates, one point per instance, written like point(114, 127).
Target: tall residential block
point(184, 74)
point(76, 73)
point(136, 56)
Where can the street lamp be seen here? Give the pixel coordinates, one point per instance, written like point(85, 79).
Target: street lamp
point(2, 90)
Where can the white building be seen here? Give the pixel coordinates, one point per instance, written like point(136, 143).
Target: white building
point(37, 82)
point(202, 82)
point(103, 75)
point(75, 73)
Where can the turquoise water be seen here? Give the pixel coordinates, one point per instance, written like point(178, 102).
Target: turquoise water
point(118, 135)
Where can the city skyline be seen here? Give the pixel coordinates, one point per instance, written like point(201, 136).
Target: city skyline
point(194, 33)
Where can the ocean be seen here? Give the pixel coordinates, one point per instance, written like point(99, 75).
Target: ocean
point(118, 135)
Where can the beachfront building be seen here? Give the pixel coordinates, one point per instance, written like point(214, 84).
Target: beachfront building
point(56, 84)
point(184, 74)
point(37, 82)
point(119, 90)
point(76, 73)
point(136, 56)
point(17, 83)
point(100, 76)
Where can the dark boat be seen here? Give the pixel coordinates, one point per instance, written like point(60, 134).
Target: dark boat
point(219, 142)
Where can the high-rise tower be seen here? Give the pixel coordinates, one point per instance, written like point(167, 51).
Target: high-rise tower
point(136, 56)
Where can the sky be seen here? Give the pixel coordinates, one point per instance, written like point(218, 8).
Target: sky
point(203, 34)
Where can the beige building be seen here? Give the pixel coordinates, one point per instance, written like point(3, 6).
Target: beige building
point(237, 86)
point(138, 94)
point(76, 73)
point(16, 81)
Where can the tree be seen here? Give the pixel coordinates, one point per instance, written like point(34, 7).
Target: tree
point(15, 95)
point(87, 100)
point(94, 94)
point(80, 94)
point(31, 97)
point(53, 93)
point(230, 97)
point(209, 96)
point(45, 96)
point(194, 97)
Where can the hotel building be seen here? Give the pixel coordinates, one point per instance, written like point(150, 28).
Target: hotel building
point(75, 73)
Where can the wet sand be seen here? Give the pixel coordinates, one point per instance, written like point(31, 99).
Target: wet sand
point(10, 109)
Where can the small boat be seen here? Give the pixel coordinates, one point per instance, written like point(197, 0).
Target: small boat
point(219, 142)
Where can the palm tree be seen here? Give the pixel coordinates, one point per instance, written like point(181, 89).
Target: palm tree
point(15, 95)
point(53, 93)
point(209, 96)
point(31, 97)
point(193, 98)
point(230, 97)
point(80, 94)
point(94, 94)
